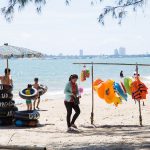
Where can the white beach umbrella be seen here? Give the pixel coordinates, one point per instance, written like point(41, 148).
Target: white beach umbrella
point(8, 51)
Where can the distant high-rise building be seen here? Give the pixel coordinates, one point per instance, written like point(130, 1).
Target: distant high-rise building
point(122, 51)
point(116, 52)
point(81, 52)
point(60, 54)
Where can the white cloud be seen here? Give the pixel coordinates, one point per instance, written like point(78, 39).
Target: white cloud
point(25, 35)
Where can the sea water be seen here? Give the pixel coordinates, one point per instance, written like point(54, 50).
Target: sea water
point(55, 72)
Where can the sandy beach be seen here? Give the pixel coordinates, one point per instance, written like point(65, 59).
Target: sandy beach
point(116, 128)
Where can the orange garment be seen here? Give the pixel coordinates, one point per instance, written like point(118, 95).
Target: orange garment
point(139, 90)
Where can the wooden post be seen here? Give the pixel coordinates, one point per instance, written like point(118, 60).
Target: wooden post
point(140, 113)
point(92, 113)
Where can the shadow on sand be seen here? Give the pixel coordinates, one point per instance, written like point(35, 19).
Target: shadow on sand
point(25, 127)
point(108, 146)
point(117, 130)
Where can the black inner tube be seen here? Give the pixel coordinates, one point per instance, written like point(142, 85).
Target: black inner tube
point(42, 90)
point(27, 115)
point(7, 104)
point(5, 88)
point(33, 94)
point(4, 96)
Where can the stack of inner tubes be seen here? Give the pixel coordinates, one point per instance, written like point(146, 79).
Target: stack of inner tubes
point(7, 105)
point(26, 118)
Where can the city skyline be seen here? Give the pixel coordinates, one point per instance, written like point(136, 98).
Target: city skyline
point(67, 29)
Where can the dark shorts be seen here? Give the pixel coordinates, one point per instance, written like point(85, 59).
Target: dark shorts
point(28, 102)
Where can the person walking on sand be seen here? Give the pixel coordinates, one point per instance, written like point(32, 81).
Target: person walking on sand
point(6, 79)
point(121, 74)
point(72, 101)
point(36, 86)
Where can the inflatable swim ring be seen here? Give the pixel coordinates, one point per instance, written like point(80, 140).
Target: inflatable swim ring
point(6, 96)
point(26, 123)
point(6, 104)
point(127, 84)
point(105, 90)
point(6, 121)
point(101, 90)
point(32, 96)
point(122, 85)
point(27, 115)
point(5, 88)
point(96, 83)
point(9, 112)
point(42, 89)
point(109, 93)
point(117, 100)
point(120, 91)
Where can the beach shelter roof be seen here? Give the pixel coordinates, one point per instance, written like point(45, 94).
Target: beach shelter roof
point(12, 51)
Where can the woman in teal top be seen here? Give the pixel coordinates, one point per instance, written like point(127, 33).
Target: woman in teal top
point(72, 101)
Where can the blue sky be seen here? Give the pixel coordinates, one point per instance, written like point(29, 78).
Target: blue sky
point(67, 29)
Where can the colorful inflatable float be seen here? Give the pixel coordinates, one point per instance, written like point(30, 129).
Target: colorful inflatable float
point(120, 91)
point(127, 84)
point(96, 83)
point(106, 91)
point(85, 73)
point(113, 92)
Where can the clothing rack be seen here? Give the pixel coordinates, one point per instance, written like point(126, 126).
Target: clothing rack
point(116, 64)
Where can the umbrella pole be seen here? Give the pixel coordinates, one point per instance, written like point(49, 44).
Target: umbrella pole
point(92, 113)
point(140, 112)
point(7, 64)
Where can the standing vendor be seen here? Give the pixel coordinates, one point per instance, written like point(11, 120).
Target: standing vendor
point(72, 101)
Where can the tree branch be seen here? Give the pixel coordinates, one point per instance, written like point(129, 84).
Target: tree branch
point(119, 12)
point(128, 4)
point(8, 11)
